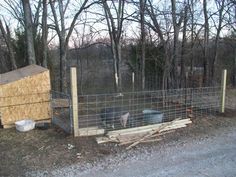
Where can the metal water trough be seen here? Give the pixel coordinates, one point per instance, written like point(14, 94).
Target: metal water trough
point(153, 116)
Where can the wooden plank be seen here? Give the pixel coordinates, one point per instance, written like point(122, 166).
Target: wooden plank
point(223, 89)
point(104, 139)
point(8, 126)
point(146, 136)
point(145, 128)
point(151, 133)
point(91, 132)
point(74, 96)
point(60, 103)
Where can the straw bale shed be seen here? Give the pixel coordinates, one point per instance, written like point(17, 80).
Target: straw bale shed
point(25, 94)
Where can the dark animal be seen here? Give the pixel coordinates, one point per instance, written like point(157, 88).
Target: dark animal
point(115, 118)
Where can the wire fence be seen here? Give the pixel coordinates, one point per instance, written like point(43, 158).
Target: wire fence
point(61, 111)
point(134, 109)
point(230, 102)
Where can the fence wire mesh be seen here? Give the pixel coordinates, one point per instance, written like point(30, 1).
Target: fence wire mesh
point(230, 101)
point(61, 110)
point(134, 109)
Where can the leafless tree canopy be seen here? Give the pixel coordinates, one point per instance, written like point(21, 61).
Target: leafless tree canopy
point(169, 40)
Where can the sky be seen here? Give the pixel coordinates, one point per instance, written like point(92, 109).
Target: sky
point(131, 29)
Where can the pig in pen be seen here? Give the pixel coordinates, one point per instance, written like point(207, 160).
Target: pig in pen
point(115, 118)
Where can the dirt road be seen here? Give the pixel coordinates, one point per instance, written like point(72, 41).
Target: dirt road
point(211, 155)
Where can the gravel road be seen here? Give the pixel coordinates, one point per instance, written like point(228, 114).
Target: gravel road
point(211, 155)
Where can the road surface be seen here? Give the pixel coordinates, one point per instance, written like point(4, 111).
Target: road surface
point(209, 156)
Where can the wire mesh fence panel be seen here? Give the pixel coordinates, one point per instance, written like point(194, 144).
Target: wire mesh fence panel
point(133, 109)
point(61, 110)
point(230, 102)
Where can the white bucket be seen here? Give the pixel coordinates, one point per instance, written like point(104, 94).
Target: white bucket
point(25, 125)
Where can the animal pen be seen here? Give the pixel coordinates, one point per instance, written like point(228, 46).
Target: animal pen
point(98, 114)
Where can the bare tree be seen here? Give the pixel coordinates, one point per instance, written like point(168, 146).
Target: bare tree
point(44, 34)
point(176, 25)
point(221, 6)
point(115, 25)
point(143, 33)
point(7, 37)
point(156, 27)
point(64, 34)
point(29, 31)
point(182, 59)
point(206, 44)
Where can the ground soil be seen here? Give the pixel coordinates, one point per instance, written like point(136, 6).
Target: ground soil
point(40, 150)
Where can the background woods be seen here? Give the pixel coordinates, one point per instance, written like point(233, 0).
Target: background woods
point(164, 43)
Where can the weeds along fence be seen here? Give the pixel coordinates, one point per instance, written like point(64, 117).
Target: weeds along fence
point(99, 113)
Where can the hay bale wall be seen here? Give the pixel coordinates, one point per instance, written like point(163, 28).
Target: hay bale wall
point(25, 93)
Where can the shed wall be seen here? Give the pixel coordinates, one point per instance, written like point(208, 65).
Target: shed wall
point(27, 98)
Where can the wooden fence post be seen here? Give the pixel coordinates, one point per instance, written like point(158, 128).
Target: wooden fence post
point(132, 81)
point(74, 96)
point(223, 90)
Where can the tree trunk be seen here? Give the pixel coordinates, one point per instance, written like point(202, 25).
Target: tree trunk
point(119, 64)
point(7, 38)
point(115, 68)
point(234, 71)
point(192, 43)
point(182, 61)
point(63, 67)
point(29, 32)
point(215, 59)
point(115, 30)
point(142, 20)
point(176, 26)
point(206, 43)
point(44, 34)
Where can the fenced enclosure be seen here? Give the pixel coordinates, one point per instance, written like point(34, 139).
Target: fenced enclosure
point(97, 114)
point(100, 113)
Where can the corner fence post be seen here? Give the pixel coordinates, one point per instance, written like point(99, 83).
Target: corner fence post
point(132, 81)
point(223, 90)
point(74, 96)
